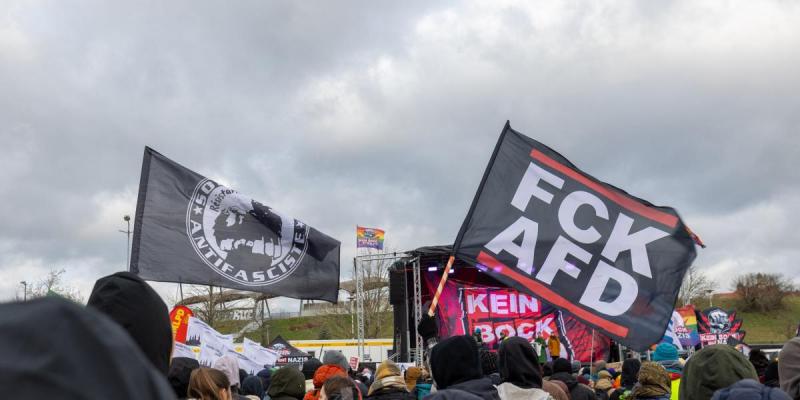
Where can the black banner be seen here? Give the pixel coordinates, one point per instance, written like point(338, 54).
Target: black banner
point(541, 225)
point(191, 229)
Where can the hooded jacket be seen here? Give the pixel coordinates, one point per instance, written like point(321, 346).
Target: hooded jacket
point(230, 367)
point(518, 365)
point(654, 382)
point(577, 391)
point(252, 387)
point(748, 389)
point(78, 353)
point(265, 376)
point(138, 309)
point(287, 383)
point(180, 370)
point(789, 368)
point(455, 363)
point(771, 377)
point(712, 368)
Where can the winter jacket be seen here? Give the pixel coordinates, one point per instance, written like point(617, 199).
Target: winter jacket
point(389, 384)
point(554, 346)
point(509, 391)
point(287, 383)
point(712, 368)
point(481, 387)
point(451, 394)
point(748, 389)
point(54, 349)
point(654, 382)
point(391, 394)
point(789, 368)
point(558, 390)
point(577, 391)
point(136, 307)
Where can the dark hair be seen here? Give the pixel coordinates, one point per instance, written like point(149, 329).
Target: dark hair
point(205, 383)
point(340, 388)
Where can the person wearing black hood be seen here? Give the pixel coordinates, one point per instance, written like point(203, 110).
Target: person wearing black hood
point(54, 349)
point(455, 364)
point(519, 369)
point(562, 371)
point(136, 307)
point(629, 378)
point(180, 371)
point(309, 368)
point(771, 377)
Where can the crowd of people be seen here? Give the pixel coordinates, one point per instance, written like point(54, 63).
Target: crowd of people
point(119, 346)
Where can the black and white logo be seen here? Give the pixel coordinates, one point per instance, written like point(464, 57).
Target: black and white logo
point(242, 239)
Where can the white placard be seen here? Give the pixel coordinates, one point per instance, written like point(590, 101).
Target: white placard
point(259, 354)
point(182, 350)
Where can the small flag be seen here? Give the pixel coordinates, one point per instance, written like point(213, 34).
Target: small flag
point(369, 238)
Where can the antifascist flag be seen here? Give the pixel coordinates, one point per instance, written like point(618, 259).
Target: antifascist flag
point(542, 226)
point(191, 229)
point(369, 238)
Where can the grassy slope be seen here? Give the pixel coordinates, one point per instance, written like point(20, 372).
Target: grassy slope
point(772, 327)
point(303, 328)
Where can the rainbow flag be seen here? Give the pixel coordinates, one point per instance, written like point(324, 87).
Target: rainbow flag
point(369, 238)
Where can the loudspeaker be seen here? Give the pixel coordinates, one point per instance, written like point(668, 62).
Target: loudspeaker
point(397, 286)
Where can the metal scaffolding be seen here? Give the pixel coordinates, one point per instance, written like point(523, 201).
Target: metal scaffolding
point(359, 278)
point(418, 351)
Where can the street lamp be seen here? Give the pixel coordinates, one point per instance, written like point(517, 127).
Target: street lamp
point(24, 290)
point(127, 219)
point(710, 297)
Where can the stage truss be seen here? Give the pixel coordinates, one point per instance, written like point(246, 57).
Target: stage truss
point(358, 262)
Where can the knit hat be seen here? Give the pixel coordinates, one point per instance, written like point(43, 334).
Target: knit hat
point(665, 351)
point(335, 357)
point(386, 369)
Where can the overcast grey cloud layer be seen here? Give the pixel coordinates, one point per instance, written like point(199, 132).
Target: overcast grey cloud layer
point(385, 113)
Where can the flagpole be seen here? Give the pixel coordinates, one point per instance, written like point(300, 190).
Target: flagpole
point(591, 356)
point(435, 300)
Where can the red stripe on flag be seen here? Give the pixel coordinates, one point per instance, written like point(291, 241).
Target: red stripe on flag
point(550, 296)
point(624, 201)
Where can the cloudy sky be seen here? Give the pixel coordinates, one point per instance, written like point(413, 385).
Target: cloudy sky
point(385, 113)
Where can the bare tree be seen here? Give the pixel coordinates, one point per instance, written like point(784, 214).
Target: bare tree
point(375, 275)
point(762, 292)
point(53, 284)
point(694, 286)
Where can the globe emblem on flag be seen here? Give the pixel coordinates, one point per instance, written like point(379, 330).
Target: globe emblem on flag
point(242, 239)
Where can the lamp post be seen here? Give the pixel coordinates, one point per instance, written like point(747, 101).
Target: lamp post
point(710, 298)
point(24, 290)
point(127, 219)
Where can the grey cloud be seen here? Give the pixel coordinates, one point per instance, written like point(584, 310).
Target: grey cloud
point(385, 114)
